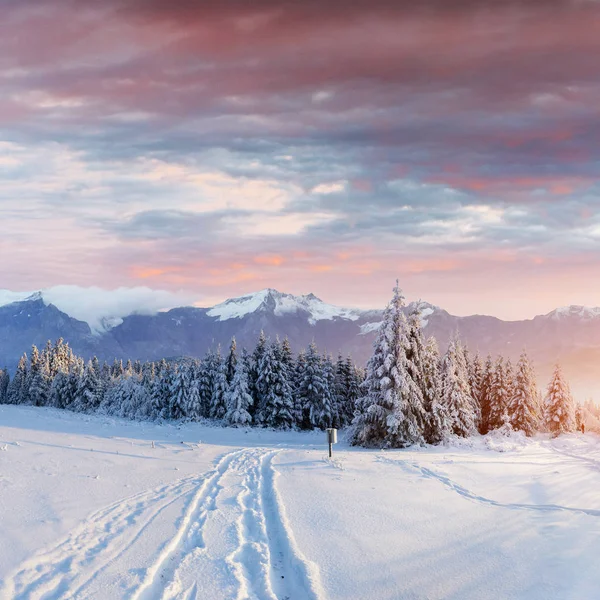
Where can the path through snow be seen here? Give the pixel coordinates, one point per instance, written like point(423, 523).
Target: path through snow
point(233, 531)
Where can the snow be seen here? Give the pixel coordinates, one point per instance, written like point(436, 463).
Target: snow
point(369, 327)
point(281, 304)
point(236, 308)
point(425, 310)
point(94, 507)
point(585, 313)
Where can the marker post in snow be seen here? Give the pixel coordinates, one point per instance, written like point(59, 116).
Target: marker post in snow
point(331, 438)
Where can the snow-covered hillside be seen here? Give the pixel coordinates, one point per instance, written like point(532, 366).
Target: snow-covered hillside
point(102, 508)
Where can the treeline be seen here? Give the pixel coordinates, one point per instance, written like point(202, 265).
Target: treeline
point(268, 387)
point(412, 395)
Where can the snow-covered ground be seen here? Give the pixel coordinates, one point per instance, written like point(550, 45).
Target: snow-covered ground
point(92, 507)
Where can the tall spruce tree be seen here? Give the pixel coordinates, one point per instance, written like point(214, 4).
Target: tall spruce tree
point(297, 379)
point(17, 389)
point(255, 389)
point(499, 396)
point(194, 401)
point(276, 390)
point(178, 394)
point(314, 397)
point(87, 396)
point(238, 398)
point(523, 407)
point(341, 382)
point(485, 395)
point(476, 375)
point(455, 392)
point(392, 414)
point(4, 382)
point(559, 412)
point(59, 390)
point(231, 361)
point(331, 417)
point(161, 391)
point(218, 407)
point(206, 376)
point(438, 421)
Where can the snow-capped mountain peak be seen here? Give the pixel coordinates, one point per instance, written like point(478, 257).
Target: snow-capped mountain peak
point(585, 313)
point(424, 308)
point(280, 304)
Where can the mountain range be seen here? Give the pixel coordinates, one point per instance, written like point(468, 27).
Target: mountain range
point(569, 335)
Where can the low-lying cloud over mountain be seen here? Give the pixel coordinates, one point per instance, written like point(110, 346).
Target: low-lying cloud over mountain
point(147, 325)
point(102, 309)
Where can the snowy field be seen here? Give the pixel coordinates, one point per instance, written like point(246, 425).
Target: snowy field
point(92, 507)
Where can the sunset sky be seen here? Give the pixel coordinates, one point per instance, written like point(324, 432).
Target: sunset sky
point(216, 148)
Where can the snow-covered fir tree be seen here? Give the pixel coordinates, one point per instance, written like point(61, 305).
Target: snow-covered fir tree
point(392, 411)
point(76, 373)
point(231, 361)
point(523, 407)
point(128, 398)
point(274, 383)
point(4, 381)
point(60, 391)
point(329, 390)
point(34, 395)
point(88, 392)
point(297, 378)
point(509, 378)
point(289, 365)
point(437, 422)
point(128, 371)
point(485, 394)
point(206, 374)
point(160, 400)
point(476, 375)
point(17, 391)
point(194, 402)
point(455, 393)
point(559, 410)
point(117, 369)
point(499, 396)
point(255, 390)
point(346, 390)
point(238, 398)
point(313, 395)
point(178, 394)
point(218, 407)
point(354, 383)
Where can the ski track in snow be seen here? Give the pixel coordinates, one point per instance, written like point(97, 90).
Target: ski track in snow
point(465, 493)
point(265, 565)
point(66, 569)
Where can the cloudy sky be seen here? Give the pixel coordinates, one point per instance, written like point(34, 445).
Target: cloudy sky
point(217, 148)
